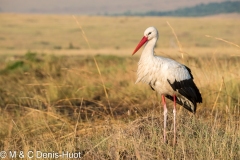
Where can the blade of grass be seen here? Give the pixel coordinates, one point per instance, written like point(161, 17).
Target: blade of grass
point(220, 39)
point(103, 84)
point(179, 44)
point(83, 33)
point(99, 72)
point(76, 125)
point(220, 89)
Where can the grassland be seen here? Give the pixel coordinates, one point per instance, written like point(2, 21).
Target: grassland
point(53, 98)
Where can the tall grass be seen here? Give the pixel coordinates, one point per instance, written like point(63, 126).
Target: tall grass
point(54, 103)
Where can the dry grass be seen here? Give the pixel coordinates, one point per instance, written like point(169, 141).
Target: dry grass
point(52, 32)
point(58, 102)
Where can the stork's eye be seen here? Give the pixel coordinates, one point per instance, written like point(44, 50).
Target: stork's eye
point(149, 33)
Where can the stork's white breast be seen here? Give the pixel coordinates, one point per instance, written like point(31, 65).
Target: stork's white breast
point(157, 70)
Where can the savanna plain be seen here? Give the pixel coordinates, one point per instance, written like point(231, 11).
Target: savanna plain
point(68, 84)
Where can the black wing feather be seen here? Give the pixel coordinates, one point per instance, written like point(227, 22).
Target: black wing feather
point(185, 105)
point(189, 90)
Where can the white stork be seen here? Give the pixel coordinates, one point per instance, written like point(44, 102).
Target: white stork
point(166, 76)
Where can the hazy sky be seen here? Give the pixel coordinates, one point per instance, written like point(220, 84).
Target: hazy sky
point(94, 6)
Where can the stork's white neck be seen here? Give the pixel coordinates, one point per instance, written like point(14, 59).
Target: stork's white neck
point(146, 61)
point(149, 48)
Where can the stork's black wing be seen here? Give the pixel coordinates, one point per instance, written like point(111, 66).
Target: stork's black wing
point(188, 89)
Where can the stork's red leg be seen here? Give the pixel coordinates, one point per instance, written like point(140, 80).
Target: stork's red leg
point(174, 119)
point(165, 118)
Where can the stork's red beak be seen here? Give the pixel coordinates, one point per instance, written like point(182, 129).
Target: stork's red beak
point(140, 44)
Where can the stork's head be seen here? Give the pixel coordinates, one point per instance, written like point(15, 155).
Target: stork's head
point(149, 33)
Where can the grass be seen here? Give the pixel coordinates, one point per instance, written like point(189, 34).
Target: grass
point(55, 102)
point(28, 32)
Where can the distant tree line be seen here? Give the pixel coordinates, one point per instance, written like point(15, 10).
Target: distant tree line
point(196, 11)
